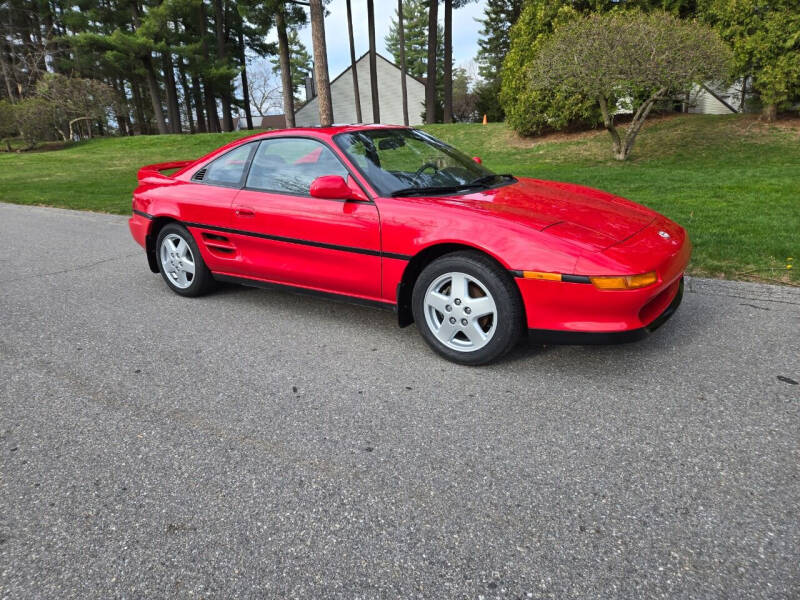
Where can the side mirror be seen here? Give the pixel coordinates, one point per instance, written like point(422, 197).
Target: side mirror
point(332, 187)
point(477, 159)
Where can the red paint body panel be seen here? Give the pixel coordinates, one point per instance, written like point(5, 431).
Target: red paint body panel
point(362, 248)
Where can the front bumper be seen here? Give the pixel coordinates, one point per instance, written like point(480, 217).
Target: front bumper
point(550, 336)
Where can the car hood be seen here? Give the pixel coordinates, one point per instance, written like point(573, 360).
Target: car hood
point(590, 218)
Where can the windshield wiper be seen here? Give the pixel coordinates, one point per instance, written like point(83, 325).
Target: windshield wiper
point(440, 189)
point(444, 189)
point(488, 179)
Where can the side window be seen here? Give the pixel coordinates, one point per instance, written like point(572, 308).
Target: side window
point(289, 165)
point(228, 169)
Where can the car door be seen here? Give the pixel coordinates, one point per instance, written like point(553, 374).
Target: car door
point(205, 204)
point(284, 235)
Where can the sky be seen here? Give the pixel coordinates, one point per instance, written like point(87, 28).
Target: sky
point(465, 31)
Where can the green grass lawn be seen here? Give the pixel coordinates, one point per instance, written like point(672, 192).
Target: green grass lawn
point(732, 181)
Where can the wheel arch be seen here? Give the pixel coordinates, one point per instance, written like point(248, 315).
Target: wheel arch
point(156, 225)
point(421, 260)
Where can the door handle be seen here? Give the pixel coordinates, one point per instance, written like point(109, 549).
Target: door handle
point(245, 211)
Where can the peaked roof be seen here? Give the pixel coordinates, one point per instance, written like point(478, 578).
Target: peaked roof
point(379, 55)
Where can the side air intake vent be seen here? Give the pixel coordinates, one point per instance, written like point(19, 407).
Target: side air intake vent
point(200, 174)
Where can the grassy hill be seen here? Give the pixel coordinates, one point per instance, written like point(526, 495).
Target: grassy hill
point(732, 181)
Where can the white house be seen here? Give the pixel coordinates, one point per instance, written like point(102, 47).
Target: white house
point(715, 99)
point(390, 99)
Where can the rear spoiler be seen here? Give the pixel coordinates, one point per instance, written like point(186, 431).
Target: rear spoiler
point(153, 173)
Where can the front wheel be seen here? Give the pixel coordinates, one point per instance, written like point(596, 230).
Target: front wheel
point(467, 308)
point(180, 262)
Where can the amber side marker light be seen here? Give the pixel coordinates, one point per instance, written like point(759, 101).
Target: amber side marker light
point(540, 275)
point(625, 282)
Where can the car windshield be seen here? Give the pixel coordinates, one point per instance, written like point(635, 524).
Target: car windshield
point(407, 162)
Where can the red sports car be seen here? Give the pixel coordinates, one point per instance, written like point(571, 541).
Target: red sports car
point(393, 217)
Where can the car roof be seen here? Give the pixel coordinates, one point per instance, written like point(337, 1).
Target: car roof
point(326, 132)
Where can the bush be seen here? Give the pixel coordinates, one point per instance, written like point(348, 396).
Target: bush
point(34, 121)
point(532, 111)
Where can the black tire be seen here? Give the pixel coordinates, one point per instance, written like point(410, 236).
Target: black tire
point(201, 281)
point(509, 313)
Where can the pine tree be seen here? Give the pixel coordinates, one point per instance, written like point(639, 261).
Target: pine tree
point(493, 43)
point(494, 40)
point(300, 63)
point(415, 21)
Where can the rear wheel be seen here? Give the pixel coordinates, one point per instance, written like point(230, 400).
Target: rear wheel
point(180, 263)
point(467, 308)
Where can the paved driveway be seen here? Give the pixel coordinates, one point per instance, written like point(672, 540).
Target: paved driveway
point(259, 444)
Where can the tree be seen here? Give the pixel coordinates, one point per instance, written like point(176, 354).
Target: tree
point(321, 63)
point(447, 87)
point(493, 45)
point(765, 39)
point(415, 34)
point(529, 110)
point(73, 99)
point(464, 100)
point(353, 71)
point(300, 64)
point(430, 81)
point(402, 50)
point(264, 90)
point(640, 57)
point(373, 66)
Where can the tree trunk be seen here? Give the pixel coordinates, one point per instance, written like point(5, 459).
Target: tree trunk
point(321, 63)
point(150, 76)
point(208, 91)
point(173, 110)
point(401, 34)
point(770, 112)
point(7, 73)
point(608, 122)
point(353, 63)
point(373, 66)
point(286, 72)
point(197, 95)
point(138, 109)
point(430, 83)
point(245, 88)
point(743, 97)
point(448, 61)
point(225, 96)
point(211, 110)
point(187, 96)
point(155, 98)
point(623, 151)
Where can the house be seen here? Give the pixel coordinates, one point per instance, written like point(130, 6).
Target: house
point(389, 96)
point(263, 122)
point(715, 99)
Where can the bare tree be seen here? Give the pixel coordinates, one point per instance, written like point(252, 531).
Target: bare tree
point(353, 63)
point(264, 89)
point(401, 35)
point(641, 58)
point(321, 63)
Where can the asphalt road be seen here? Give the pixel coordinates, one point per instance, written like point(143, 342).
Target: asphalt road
point(258, 444)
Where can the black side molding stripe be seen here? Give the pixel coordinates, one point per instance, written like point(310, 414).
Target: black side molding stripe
point(576, 278)
point(142, 214)
point(305, 291)
point(564, 277)
point(289, 240)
